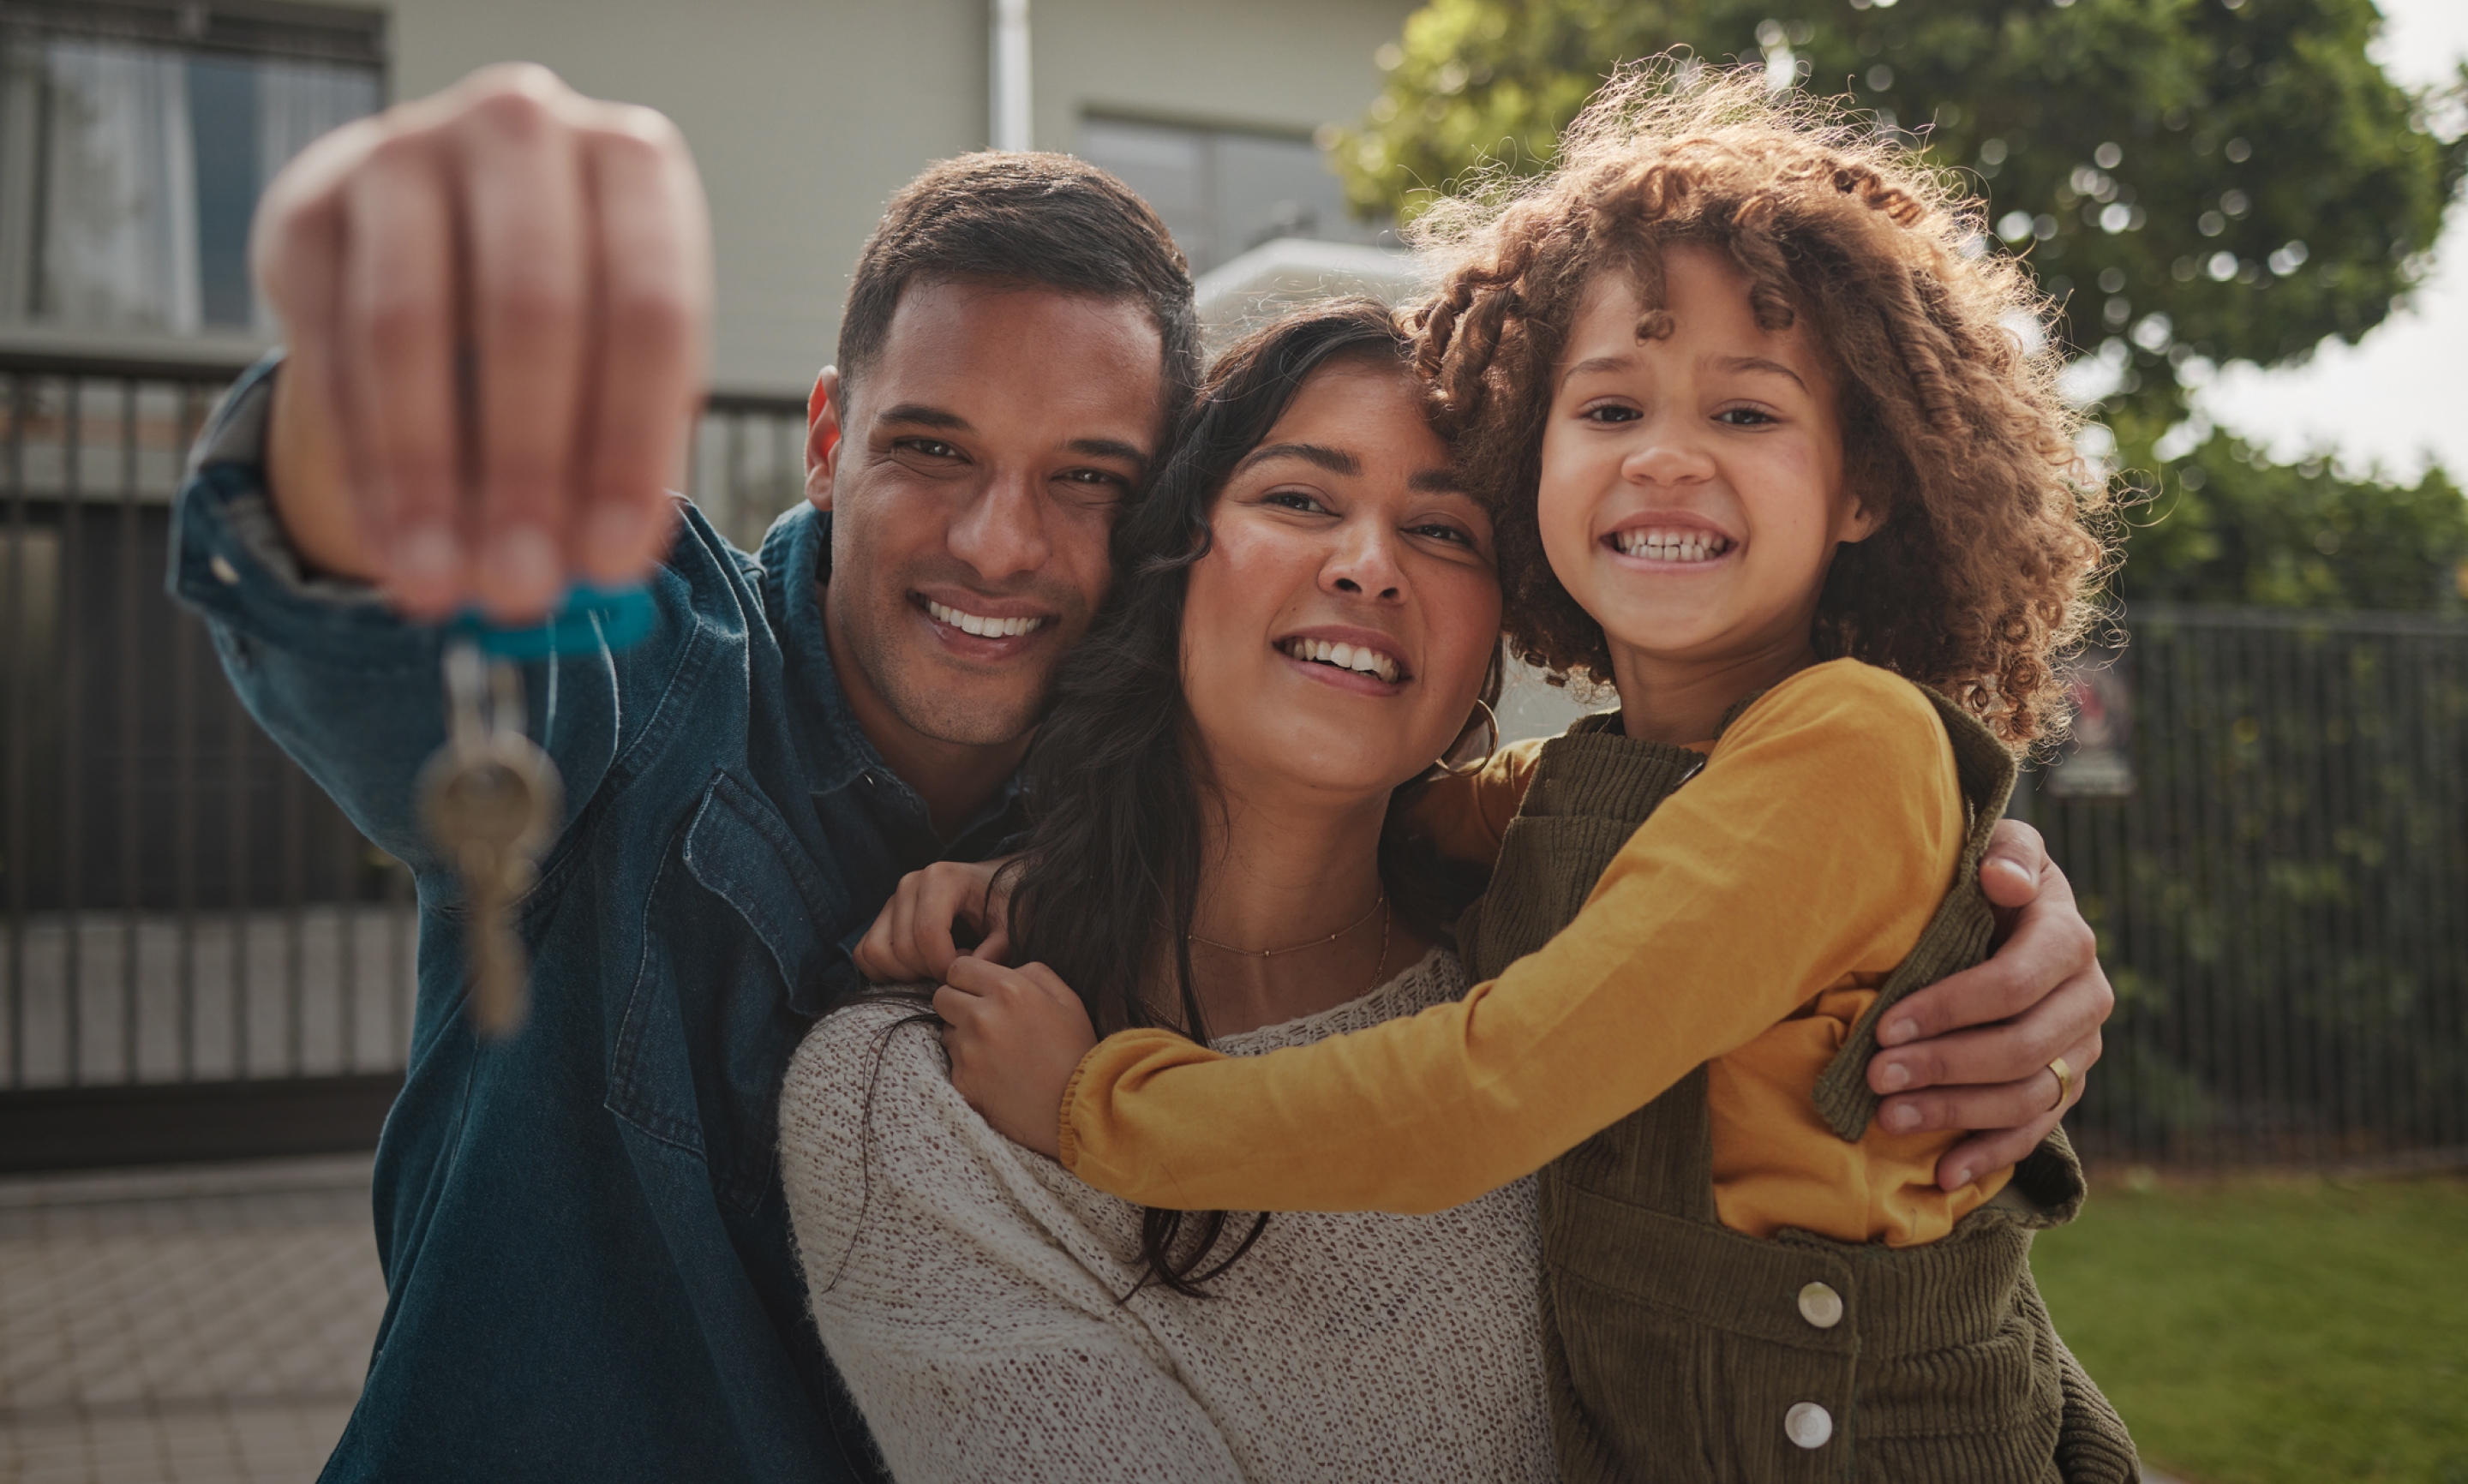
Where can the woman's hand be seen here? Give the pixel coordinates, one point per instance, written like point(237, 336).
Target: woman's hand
point(911, 939)
point(1971, 1051)
point(1015, 1037)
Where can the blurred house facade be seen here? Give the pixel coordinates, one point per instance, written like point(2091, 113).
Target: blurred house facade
point(135, 135)
point(200, 956)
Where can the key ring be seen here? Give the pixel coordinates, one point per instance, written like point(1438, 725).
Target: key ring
point(589, 618)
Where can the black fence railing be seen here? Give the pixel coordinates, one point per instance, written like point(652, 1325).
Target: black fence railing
point(2276, 855)
point(198, 955)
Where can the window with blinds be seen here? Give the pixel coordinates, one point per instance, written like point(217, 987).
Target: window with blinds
point(135, 139)
point(1223, 192)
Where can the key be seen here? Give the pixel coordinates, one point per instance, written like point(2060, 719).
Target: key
point(489, 800)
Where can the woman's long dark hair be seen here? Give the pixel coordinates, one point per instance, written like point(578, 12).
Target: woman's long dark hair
point(1110, 877)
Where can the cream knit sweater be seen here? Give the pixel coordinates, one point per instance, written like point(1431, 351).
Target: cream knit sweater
point(970, 1292)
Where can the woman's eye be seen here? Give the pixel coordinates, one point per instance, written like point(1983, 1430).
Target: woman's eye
point(1294, 500)
point(1744, 417)
point(1613, 413)
point(1440, 532)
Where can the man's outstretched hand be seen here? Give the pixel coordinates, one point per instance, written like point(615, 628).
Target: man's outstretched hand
point(497, 302)
point(1971, 1051)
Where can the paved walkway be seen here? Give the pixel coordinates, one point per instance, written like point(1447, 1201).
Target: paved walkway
point(206, 1323)
point(209, 1323)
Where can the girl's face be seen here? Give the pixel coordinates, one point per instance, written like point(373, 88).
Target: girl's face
point(1692, 487)
point(1336, 633)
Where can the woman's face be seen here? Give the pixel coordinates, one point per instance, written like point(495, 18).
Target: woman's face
point(1336, 633)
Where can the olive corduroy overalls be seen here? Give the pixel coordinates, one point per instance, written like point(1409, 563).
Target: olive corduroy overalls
point(1680, 1350)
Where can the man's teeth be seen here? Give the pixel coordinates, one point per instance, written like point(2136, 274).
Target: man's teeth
point(1345, 656)
point(1672, 545)
point(984, 628)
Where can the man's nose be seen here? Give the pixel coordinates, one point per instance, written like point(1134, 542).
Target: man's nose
point(1364, 563)
point(1001, 534)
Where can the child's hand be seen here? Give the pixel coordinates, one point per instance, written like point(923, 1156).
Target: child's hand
point(911, 938)
point(1014, 1038)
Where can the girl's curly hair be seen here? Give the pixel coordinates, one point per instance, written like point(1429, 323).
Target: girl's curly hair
point(1982, 573)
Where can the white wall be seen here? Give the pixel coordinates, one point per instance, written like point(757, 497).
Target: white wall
point(805, 115)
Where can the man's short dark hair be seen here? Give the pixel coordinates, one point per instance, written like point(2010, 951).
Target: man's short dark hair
point(1047, 220)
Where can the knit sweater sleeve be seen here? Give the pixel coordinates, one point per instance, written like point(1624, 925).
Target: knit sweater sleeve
point(1818, 842)
point(976, 1345)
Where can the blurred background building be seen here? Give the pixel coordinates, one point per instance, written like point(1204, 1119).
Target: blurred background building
point(138, 136)
point(181, 911)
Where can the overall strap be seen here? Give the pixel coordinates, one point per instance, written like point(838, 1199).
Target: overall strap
point(1591, 790)
point(1955, 939)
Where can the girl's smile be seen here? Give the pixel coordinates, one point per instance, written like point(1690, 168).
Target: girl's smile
point(1671, 541)
point(1692, 491)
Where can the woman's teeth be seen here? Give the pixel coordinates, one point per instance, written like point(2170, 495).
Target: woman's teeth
point(984, 628)
point(1672, 545)
point(1345, 656)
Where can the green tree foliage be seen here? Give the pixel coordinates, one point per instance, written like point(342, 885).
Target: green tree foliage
point(2228, 525)
point(2195, 181)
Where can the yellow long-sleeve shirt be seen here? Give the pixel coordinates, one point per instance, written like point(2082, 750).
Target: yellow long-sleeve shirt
point(1747, 924)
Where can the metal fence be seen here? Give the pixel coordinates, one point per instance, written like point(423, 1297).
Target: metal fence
point(2282, 893)
point(198, 955)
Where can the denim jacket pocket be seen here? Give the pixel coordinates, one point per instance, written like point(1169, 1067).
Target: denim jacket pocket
point(704, 1045)
point(741, 850)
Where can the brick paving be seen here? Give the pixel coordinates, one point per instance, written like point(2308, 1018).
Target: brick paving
point(208, 1323)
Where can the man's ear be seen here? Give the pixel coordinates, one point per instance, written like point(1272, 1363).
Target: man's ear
point(823, 438)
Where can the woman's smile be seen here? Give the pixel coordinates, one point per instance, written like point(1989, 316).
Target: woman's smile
point(1345, 567)
point(1353, 659)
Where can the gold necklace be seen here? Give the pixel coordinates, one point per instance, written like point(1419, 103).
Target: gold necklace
point(1381, 964)
point(1316, 943)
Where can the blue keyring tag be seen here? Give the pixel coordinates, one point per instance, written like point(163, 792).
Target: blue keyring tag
point(624, 615)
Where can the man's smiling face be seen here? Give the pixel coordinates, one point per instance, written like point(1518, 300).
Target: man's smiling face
point(987, 451)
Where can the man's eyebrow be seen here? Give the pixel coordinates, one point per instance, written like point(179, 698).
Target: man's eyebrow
point(1336, 461)
point(1758, 363)
point(1109, 448)
point(918, 415)
point(1435, 481)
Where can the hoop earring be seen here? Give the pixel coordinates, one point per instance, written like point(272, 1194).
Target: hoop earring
point(1474, 765)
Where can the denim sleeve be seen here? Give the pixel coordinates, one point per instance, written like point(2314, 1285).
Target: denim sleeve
point(345, 686)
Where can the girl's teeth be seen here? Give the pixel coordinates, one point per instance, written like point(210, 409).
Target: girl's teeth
point(1345, 656)
point(1674, 546)
point(983, 628)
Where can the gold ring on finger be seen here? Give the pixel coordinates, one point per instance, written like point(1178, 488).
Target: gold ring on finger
point(2065, 1083)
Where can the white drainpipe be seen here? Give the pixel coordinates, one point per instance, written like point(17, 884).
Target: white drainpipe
point(1007, 109)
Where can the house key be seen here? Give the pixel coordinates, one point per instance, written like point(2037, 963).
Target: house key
point(489, 800)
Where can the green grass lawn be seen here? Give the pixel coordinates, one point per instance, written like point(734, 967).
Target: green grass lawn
point(2275, 1332)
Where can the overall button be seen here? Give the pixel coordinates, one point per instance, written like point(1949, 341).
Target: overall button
point(1820, 1306)
point(1808, 1425)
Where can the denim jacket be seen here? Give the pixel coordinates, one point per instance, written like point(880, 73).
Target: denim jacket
point(587, 1252)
